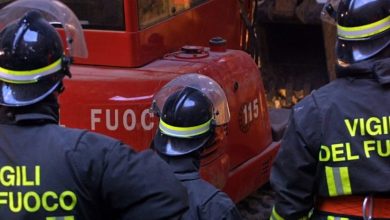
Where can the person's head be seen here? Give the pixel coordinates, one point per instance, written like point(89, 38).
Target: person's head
point(194, 114)
point(363, 31)
point(186, 123)
point(33, 61)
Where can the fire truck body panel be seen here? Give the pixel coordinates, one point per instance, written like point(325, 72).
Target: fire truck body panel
point(116, 102)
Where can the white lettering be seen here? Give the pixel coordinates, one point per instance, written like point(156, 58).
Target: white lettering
point(94, 118)
point(133, 119)
point(114, 119)
point(112, 127)
point(146, 126)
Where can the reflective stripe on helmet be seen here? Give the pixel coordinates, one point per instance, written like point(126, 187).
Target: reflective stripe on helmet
point(364, 31)
point(29, 76)
point(184, 132)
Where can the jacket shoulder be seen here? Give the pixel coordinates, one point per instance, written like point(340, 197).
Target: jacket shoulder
point(210, 202)
point(75, 138)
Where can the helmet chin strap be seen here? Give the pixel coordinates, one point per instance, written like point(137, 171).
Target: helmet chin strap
point(60, 89)
point(66, 62)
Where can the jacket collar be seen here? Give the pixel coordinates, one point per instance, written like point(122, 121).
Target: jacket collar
point(46, 111)
point(187, 176)
point(185, 167)
point(378, 69)
point(382, 71)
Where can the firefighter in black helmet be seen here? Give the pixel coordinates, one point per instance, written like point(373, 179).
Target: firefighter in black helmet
point(31, 60)
point(187, 126)
point(51, 172)
point(335, 156)
point(186, 123)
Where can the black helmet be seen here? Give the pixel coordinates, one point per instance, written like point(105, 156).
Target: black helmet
point(363, 29)
point(186, 123)
point(32, 62)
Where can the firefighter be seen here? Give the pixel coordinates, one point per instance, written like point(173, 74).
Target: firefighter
point(334, 161)
point(186, 128)
point(51, 172)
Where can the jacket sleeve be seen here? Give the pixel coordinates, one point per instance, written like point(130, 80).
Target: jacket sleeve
point(293, 174)
point(133, 185)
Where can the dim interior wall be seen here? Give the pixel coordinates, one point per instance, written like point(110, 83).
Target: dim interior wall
point(293, 61)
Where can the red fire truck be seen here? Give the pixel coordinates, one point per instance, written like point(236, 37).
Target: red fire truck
point(135, 47)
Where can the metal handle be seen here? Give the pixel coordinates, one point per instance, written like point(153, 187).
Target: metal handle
point(368, 203)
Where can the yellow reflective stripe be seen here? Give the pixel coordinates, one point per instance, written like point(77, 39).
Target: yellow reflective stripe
point(29, 76)
point(336, 218)
point(41, 70)
point(338, 181)
point(363, 31)
point(275, 215)
point(344, 174)
point(60, 218)
point(330, 181)
point(184, 132)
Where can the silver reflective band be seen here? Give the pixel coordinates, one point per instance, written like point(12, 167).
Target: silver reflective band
point(364, 31)
point(184, 132)
point(29, 76)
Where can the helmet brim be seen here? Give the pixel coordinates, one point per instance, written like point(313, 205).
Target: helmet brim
point(26, 94)
point(349, 51)
point(173, 146)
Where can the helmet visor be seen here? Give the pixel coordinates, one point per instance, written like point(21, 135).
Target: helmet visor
point(54, 12)
point(12, 94)
point(206, 85)
point(358, 50)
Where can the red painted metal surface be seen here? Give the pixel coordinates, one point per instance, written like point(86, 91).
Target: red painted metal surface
point(115, 101)
point(111, 91)
point(134, 47)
